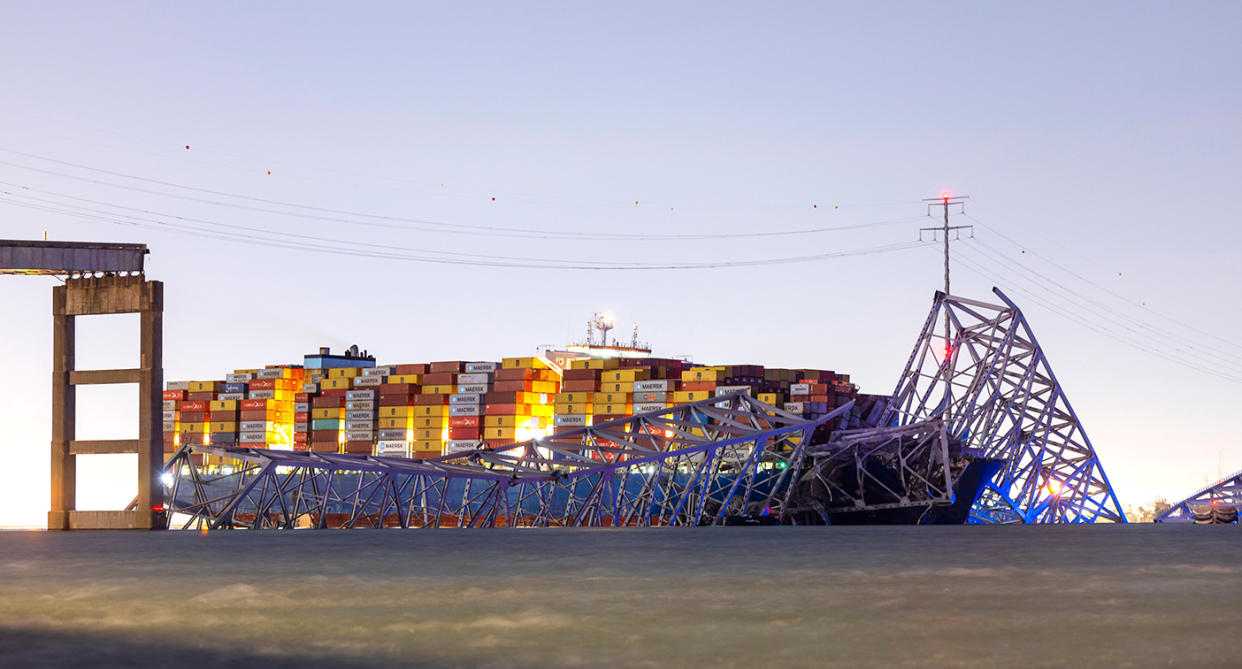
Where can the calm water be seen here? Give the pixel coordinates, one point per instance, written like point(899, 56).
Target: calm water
point(1140, 595)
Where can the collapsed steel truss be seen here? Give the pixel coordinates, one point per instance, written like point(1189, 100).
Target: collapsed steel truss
point(994, 388)
point(702, 463)
point(1227, 492)
point(879, 468)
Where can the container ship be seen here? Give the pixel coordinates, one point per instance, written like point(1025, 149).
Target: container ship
point(348, 403)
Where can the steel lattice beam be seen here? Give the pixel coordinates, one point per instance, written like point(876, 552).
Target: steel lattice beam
point(995, 390)
point(1227, 491)
point(694, 464)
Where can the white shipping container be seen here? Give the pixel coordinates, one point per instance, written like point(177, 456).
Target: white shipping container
point(473, 378)
point(170, 404)
point(238, 378)
point(794, 407)
point(231, 396)
point(662, 385)
point(644, 398)
point(465, 410)
point(472, 388)
point(648, 407)
point(359, 404)
point(465, 398)
point(377, 371)
point(392, 449)
point(368, 394)
point(800, 389)
point(263, 394)
point(177, 385)
point(455, 445)
point(368, 381)
point(170, 415)
point(253, 438)
point(359, 425)
point(570, 420)
point(276, 373)
point(725, 390)
point(301, 427)
point(360, 414)
point(170, 425)
point(476, 367)
point(392, 434)
point(301, 407)
point(360, 435)
point(310, 387)
point(253, 425)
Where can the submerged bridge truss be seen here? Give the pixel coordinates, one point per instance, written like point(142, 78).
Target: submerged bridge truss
point(1225, 492)
point(993, 387)
point(703, 463)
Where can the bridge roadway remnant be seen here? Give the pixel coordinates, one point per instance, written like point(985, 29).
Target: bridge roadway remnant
point(100, 278)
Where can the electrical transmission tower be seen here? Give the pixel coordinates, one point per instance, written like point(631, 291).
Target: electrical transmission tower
point(945, 201)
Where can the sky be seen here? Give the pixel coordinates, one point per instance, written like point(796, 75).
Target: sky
point(1100, 145)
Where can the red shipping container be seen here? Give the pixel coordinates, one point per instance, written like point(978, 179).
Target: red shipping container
point(446, 366)
point(327, 402)
point(262, 384)
point(324, 435)
point(398, 389)
point(464, 432)
point(301, 397)
point(424, 398)
point(420, 368)
point(396, 400)
point(192, 406)
point(335, 392)
point(506, 409)
point(515, 375)
point(301, 417)
point(513, 386)
point(174, 394)
point(252, 405)
point(300, 447)
point(580, 386)
point(501, 397)
point(326, 447)
point(581, 374)
point(195, 417)
point(359, 447)
point(698, 385)
point(205, 396)
point(439, 379)
point(463, 421)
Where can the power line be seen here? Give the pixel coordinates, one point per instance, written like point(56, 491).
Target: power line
point(337, 246)
point(401, 222)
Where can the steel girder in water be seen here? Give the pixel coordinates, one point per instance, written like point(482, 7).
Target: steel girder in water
point(875, 469)
point(695, 464)
point(996, 392)
point(1225, 492)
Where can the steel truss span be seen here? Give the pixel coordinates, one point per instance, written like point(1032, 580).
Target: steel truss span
point(992, 385)
point(1225, 492)
point(711, 462)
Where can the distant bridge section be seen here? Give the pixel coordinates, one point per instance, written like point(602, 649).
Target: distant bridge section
point(72, 259)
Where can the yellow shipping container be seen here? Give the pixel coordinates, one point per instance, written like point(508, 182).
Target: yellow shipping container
point(541, 410)
point(612, 398)
point(425, 445)
point(612, 409)
point(572, 398)
point(545, 387)
point(683, 396)
point(500, 433)
point(440, 390)
point(500, 421)
point(570, 409)
point(204, 386)
point(344, 372)
point(430, 409)
point(402, 423)
point(227, 426)
point(194, 428)
point(406, 378)
point(773, 399)
point(223, 405)
point(436, 422)
point(523, 363)
point(336, 384)
point(395, 412)
point(424, 434)
point(626, 375)
point(703, 374)
point(603, 363)
point(617, 387)
point(330, 412)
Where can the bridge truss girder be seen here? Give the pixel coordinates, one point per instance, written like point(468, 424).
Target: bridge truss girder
point(1227, 491)
point(994, 388)
point(693, 464)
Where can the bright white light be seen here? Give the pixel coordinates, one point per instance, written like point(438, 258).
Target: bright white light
point(167, 479)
